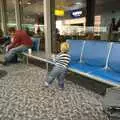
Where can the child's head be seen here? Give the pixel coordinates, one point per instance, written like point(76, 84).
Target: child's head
point(64, 47)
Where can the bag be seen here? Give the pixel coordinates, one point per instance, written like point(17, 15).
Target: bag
point(111, 103)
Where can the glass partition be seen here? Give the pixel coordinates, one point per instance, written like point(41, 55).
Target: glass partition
point(0, 17)
point(81, 32)
point(33, 16)
point(33, 20)
point(11, 20)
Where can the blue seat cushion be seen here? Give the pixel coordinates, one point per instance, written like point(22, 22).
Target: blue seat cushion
point(107, 75)
point(114, 60)
point(95, 53)
point(83, 67)
point(75, 49)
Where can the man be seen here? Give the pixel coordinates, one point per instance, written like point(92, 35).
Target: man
point(112, 29)
point(20, 42)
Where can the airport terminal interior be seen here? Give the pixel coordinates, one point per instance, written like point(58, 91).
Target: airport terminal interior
point(73, 43)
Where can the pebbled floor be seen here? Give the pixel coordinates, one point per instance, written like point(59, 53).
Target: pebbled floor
point(24, 97)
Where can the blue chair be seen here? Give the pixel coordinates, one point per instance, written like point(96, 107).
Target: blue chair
point(75, 50)
point(112, 74)
point(94, 56)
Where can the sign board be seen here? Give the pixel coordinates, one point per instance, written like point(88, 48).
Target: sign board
point(76, 13)
point(59, 12)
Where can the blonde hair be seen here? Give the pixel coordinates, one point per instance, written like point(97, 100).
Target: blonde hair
point(64, 47)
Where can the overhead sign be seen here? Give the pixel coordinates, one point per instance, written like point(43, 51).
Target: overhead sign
point(76, 13)
point(59, 12)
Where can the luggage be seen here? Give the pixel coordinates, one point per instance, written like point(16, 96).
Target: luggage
point(111, 103)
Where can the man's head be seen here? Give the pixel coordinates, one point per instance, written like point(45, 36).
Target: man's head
point(11, 31)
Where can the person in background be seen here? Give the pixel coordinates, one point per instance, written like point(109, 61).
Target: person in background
point(118, 25)
point(4, 41)
point(112, 29)
point(58, 40)
point(20, 42)
point(57, 34)
point(118, 29)
point(61, 63)
point(30, 33)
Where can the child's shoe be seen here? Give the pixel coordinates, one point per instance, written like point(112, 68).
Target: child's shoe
point(61, 86)
point(46, 84)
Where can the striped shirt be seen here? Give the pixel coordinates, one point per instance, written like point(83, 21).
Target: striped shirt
point(62, 59)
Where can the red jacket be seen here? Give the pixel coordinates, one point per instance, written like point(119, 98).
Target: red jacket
point(21, 38)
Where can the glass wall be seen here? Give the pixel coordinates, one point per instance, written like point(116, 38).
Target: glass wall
point(33, 15)
point(33, 19)
point(1, 33)
point(0, 16)
point(11, 21)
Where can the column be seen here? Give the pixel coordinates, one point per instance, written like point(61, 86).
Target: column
point(18, 13)
point(53, 25)
point(3, 16)
point(49, 23)
point(90, 12)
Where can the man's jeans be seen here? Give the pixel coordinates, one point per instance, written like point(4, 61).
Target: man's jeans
point(12, 52)
point(59, 73)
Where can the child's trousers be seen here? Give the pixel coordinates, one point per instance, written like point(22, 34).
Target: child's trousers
point(59, 73)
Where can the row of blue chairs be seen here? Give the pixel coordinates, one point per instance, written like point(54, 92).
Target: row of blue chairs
point(99, 60)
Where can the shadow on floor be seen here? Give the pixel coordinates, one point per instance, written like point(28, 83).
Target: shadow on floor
point(2, 73)
point(95, 86)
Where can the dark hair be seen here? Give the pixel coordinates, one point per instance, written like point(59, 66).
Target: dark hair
point(113, 20)
point(11, 29)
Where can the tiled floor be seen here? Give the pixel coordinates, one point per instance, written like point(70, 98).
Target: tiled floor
point(24, 97)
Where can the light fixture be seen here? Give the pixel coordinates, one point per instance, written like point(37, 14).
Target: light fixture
point(77, 3)
point(29, 3)
point(59, 12)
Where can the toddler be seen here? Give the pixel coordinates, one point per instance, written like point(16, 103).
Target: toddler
point(61, 63)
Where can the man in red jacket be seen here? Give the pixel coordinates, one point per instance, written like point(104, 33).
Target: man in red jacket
point(20, 42)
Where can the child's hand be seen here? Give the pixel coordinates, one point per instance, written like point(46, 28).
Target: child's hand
point(53, 57)
point(6, 49)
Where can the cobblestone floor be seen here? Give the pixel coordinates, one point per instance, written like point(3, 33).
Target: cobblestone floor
point(24, 97)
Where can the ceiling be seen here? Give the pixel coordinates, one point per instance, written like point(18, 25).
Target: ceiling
point(36, 6)
point(33, 7)
point(59, 4)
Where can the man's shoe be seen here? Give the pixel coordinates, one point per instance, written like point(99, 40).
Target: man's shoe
point(46, 84)
point(5, 63)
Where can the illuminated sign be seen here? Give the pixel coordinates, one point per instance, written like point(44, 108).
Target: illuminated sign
point(59, 12)
point(76, 13)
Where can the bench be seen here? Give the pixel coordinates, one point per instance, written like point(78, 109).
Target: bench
point(40, 56)
point(98, 60)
